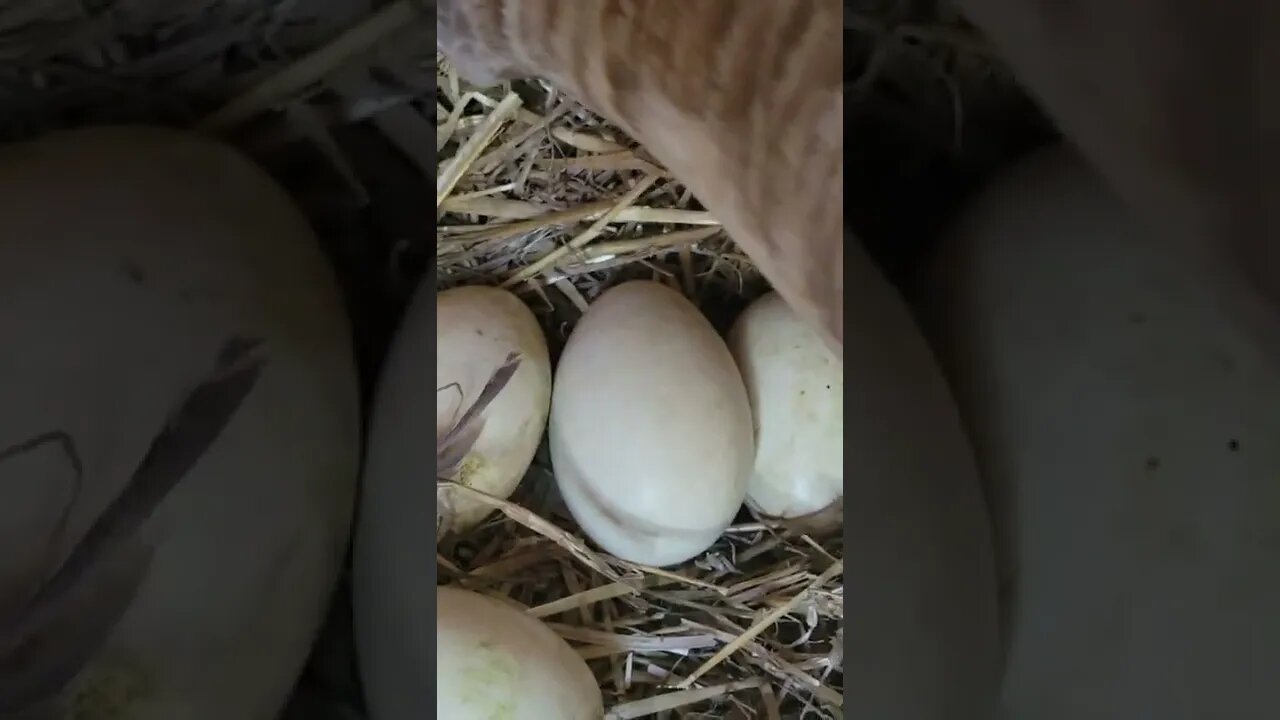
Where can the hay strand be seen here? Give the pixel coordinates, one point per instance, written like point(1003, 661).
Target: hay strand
point(313, 67)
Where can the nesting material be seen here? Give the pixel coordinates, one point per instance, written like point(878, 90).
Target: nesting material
point(541, 196)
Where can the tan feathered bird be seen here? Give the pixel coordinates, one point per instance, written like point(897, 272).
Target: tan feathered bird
point(742, 101)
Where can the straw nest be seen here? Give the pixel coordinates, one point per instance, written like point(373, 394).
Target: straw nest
point(536, 193)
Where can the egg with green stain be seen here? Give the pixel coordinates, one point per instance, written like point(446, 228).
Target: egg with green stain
point(134, 260)
point(495, 662)
point(477, 329)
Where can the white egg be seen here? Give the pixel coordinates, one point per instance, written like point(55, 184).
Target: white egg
point(130, 257)
point(1126, 421)
point(650, 426)
point(916, 519)
point(494, 661)
point(476, 329)
point(796, 388)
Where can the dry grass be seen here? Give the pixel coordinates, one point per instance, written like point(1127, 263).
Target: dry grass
point(751, 629)
point(547, 199)
point(67, 62)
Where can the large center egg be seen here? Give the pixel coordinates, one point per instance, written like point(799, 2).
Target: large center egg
point(650, 428)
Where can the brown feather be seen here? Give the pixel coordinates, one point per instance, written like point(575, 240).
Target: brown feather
point(742, 101)
point(45, 644)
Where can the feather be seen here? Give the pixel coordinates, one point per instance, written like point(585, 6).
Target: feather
point(454, 445)
point(46, 645)
point(742, 101)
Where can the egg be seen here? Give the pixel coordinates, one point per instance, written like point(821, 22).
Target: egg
point(650, 428)
point(494, 661)
point(1125, 415)
point(796, 388)
point(132, 260)
point(477, 328)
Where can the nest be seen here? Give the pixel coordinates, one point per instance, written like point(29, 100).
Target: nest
point(540, 195)
point(536, 193)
